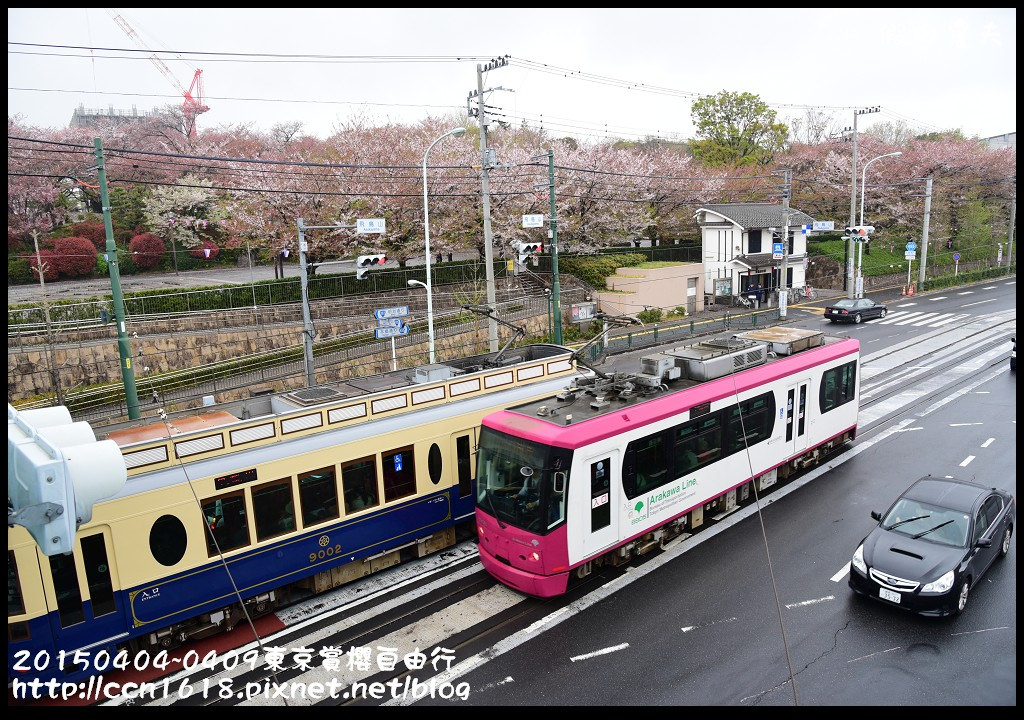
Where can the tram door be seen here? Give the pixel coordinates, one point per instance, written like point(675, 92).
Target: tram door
point(83, 591)
point(797, 421)
point(463, 450)
point(600, 522)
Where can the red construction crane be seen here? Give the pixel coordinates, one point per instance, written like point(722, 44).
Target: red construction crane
point(193, 96)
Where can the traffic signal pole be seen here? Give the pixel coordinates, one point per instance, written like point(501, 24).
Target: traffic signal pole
point(555, 289)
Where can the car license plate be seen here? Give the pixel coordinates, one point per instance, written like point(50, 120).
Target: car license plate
point(889, 595)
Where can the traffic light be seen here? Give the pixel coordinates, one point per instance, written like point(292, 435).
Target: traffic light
point(56, 471)
point(365, 262)
point(860, 232)
point(526, 249)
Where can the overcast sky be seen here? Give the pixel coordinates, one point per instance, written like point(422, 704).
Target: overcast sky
point(622, 72)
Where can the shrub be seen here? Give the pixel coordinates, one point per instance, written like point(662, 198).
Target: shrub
point(49, 266)
point(18, 241)
point(650, 316)
point(74, 256)
point(92, 230)
point(147, 250)
point(18, 271)
point(125, 263)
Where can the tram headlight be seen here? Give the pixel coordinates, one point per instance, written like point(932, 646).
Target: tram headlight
point(858, 560)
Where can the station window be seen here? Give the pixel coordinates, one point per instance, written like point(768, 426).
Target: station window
point(273, 509)
point(318, 493)
point(359, 481)
point(97, 575)
point(15, 602)
point(226, 517)
point(168, 540)
point(399, 469)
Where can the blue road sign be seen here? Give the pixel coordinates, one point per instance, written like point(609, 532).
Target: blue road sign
point(387, 332)
point(956, 256)
point(911, 246)
point(394, 312)
point(390, 322)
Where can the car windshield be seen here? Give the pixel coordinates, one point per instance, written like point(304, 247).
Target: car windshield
point(845, 303)
point(928, 522)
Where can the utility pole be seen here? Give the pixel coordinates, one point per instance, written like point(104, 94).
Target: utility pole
point(784, 271)
point(853, 202)
point(1013, 215)
point(486, 162)
point(124, 348)
point(555, 289)
point(307, 322)
point(924, 230)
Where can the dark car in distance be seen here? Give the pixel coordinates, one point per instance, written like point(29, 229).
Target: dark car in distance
point(855, 310)
point(933, 545)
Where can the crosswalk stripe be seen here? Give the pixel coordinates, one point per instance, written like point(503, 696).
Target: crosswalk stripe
point(895, 317)
point(947, 320)
point(922, 317)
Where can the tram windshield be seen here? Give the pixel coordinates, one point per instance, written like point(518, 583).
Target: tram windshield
point(522, 483)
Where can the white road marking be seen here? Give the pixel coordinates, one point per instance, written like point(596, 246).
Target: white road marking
point(989, 287)
point(488, 686)
point(967, 461)
point(688, 628)
point(941, 297)
point(615, 648)
point(972, 632)
point(842, 573)
point(907, 305)
point(883, 652)
point(964, 424)
point(988, 442)
point(980, 302)
point(811, 602)
point(911, 429)
point(966, 292)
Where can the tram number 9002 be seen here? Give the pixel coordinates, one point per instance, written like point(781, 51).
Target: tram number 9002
point(325, 553)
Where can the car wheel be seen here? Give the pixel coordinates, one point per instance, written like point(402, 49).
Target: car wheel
point(961, 596)
point(857, 318)
point(1005, 547)
point(882, 314)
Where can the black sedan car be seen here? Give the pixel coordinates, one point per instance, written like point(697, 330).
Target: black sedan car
point(855, 310)
point(933, 545)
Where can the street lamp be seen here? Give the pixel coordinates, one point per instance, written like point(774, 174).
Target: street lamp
point(426, 234)
point(863, 174)
point(860, 249)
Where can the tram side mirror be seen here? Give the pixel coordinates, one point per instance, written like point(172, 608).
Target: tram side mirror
point(559, 482)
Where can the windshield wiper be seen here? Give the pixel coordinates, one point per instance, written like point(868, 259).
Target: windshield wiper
point(904, 522)
point(490, 499)
point(942, 524)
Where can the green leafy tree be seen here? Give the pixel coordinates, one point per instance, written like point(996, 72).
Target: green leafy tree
point(736, 129)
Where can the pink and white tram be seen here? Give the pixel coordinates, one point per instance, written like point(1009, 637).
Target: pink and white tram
point(615, 466)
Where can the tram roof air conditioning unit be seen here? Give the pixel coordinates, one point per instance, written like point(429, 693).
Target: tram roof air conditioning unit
point(713, 359)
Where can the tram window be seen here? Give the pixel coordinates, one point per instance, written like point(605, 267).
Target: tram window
point(838, 386)
point(97, 575)
point(651, 462)
point(273, 508)
point(434, 464)
point(399, 470)
point(359, 480)
point(15, 602)
point(18, 632)
point(464, 461)
point(226, 517)
point(698, 443)
point(168, 540)
point(65, 585)
point(318, 493)
point(750, 422)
